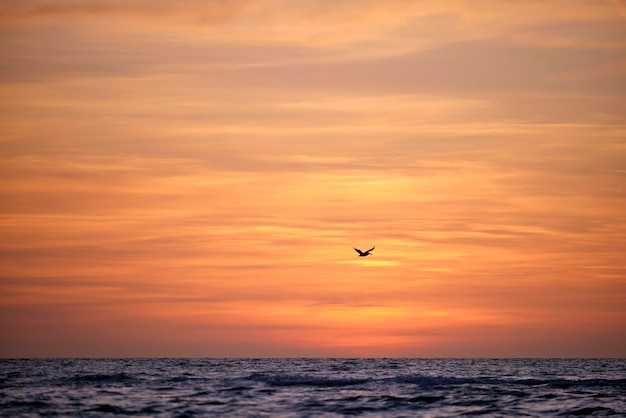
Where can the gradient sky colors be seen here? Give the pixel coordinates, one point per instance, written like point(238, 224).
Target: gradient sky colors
point(188, 178)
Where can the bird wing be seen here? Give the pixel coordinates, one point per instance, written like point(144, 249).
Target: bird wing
point(370, 249)
point(358, 251)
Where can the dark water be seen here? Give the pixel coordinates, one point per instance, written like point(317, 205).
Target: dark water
point(312, 387)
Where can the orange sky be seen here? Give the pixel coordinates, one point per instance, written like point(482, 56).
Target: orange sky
point(188, 178)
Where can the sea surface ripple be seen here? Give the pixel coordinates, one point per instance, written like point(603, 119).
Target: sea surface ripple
point(312, 387)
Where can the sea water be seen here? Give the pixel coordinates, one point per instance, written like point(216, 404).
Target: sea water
point(312, 387)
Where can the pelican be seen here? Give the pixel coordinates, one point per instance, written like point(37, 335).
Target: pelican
point(363, 253)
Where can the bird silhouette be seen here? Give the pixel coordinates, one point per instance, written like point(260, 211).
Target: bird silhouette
point(363, 253)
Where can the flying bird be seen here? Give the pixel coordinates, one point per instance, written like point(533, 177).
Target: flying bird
point(363, 253)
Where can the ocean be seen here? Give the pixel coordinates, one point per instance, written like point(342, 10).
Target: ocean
point(312, 387)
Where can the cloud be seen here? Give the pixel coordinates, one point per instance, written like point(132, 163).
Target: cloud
point(375, 26)
point(459, 69)
point(620, 5)
point(159, 11)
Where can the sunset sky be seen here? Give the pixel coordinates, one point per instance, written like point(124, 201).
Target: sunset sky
point(189, 178)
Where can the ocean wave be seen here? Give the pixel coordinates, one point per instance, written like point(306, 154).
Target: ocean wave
point(304, 380)
point(100, 378)
point(278, 379)
point(587, 411)
point(438, 380)
point(569, 383)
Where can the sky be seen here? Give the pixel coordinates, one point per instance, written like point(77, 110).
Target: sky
point(189, 178)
